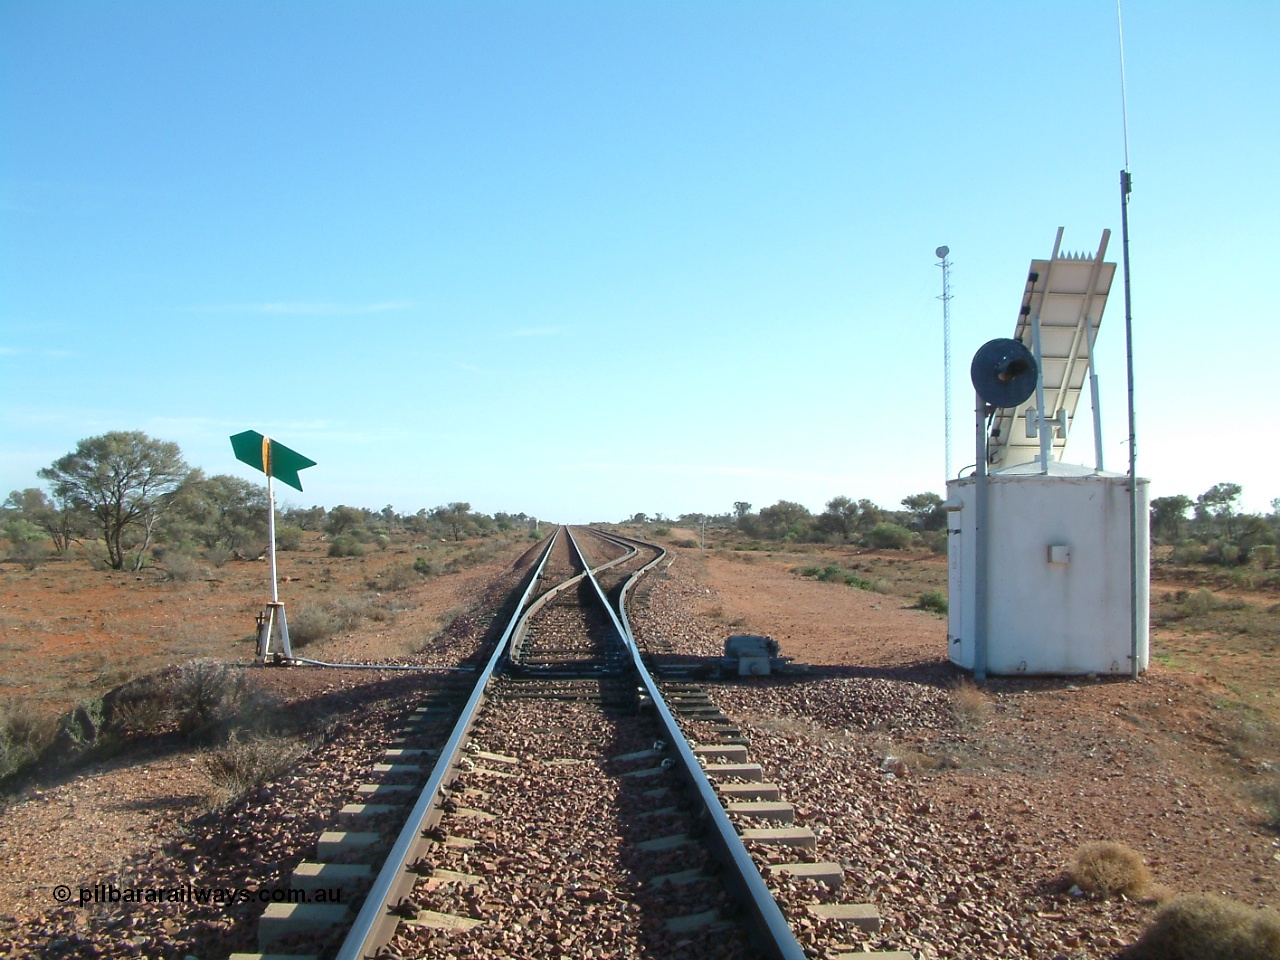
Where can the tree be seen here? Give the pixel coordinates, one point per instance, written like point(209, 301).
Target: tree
point(125, 480)
point(60, 519)
point(1220, 502)
point(1167, 517)
point(784, 518)
point(226, 511)
point(457, 516)
point(343, 518)
point(926, 511)
point(840, 517)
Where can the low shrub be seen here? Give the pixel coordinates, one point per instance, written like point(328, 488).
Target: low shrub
point(30, 553)
point(1105, 868)
point(319, 622)
point(685, 542)
point(1186, 554)
point(181, 566)
point(346, 545)
point(933, 601)
point(24, 734)
point(211, 699)
point(288, 538)
point(423, 566)
point(309, 624)
point(1197, 604)
point(889, 536)
point(1202, 926)
point(969, 704)
point(398, 576)
point(661, 531)
point(243, 764)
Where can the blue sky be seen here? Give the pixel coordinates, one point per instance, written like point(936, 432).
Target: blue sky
point(586, 259)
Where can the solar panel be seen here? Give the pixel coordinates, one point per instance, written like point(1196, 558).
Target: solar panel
point(1066, 294)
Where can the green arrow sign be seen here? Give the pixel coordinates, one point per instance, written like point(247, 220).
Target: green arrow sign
point(270, 456)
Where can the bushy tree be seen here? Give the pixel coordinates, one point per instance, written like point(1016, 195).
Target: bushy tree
point(59, 519)
point(926, 511)
point(126, 481)
point(1168, 516)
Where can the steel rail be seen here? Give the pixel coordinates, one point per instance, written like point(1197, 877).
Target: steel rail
point(369, 931)
point(742, 876)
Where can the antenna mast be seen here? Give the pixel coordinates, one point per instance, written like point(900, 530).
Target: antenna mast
point(945, 264)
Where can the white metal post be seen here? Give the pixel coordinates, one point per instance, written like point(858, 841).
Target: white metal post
point(271, 537)
point(980, 534)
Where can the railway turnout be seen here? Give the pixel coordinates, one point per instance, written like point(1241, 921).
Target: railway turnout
point(559, 800)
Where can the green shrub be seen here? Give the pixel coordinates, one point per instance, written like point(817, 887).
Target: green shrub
point(181, 566)
point(685, 542)
point(661, 531)
point(933, 601)
point(423, 566)
point(346, 545)
point(936, 540)
point(1197, 604)
point(889, 536)
point(30, 553)
point(1264, 555)
point(288, 538)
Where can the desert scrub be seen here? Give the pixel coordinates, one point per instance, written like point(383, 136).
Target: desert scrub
point(933, 601)
point(969, 704)
point(322, 621)
point(244, 763)
point(834, 573)
point(346, 545)
point(24, 734)
point(1205, 927)
point(289, 538)
point(1105, 868)
point(398, 576)
point(889, 536)
point(211, 700)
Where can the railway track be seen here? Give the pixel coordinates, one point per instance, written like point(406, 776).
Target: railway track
point(550, 804)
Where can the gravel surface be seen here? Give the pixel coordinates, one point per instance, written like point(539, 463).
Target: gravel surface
point(551, 833)
point(957, 827)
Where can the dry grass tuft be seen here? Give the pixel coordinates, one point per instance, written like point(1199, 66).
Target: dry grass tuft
point(970, 704)
point(1205, 927)
point(1109, 869)
point(241, 765)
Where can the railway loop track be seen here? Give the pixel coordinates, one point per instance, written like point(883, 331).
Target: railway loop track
point(561, 801)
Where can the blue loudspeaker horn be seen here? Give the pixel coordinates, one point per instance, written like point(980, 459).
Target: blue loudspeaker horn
point(1003, 372)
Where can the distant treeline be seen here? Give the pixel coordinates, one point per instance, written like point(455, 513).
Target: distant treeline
point(921, 521)
point(1211, 528)
point(125, 496)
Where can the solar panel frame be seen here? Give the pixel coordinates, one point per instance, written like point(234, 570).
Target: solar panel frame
point(1068, 293)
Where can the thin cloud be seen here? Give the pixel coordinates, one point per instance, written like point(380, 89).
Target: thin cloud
point(50, 352)
point(536, 332)
point(311, 309)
